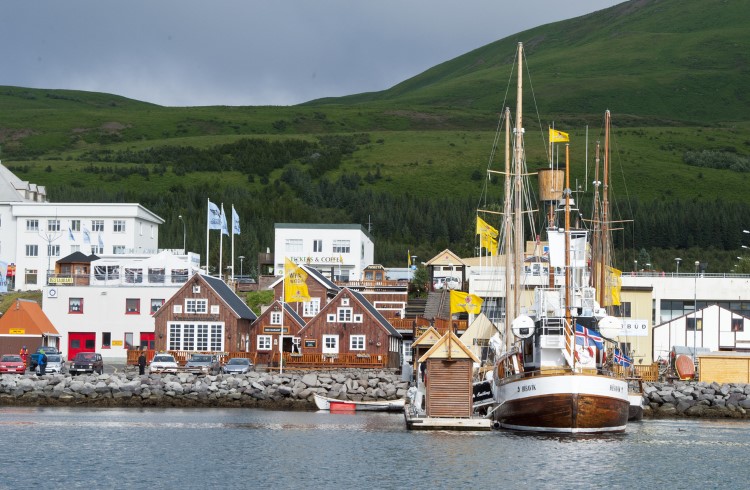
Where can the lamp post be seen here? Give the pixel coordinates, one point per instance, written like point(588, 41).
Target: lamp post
point(695, 310)
point(635, 265)
point(677, 259)
point(241, 257)
point(184, 235)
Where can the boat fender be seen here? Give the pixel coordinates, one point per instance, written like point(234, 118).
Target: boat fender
point(495, 424)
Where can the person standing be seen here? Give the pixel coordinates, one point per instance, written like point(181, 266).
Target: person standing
point(24, 357)
point(142, 363)
point(42, 363)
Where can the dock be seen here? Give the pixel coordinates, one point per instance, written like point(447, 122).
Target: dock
point(420, 422)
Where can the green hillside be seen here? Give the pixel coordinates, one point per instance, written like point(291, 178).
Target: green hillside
point(410, 161)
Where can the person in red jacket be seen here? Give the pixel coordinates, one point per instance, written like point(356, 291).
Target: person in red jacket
point(24, 356)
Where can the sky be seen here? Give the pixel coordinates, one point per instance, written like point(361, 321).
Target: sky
point(251, 52)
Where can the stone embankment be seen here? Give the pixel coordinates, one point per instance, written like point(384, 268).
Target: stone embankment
point(255, 389)
point(690, 399)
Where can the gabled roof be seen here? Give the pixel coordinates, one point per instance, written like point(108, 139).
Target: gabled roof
point(77, 258)
point(449, 347)
point(373, 311)
point(28, 316)
point(429, 337)
point(316, 274)
point(289, 310)
point(446, 257)
point(221, 288)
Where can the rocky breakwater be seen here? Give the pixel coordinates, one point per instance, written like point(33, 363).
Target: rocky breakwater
point(256, 389)
point(690, 399)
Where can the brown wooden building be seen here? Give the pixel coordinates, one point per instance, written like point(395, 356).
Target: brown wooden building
point(279, 319)
point(319, 288)
point(73, 270)
point(349, 325)
point(204, 315)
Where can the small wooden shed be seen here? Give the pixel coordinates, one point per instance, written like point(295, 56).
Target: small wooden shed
point(450, 365)
point(422, 345)
point(724, 367)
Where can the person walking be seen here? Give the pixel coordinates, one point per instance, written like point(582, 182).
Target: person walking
point(142, 363)
point(42, 363)
point(24, 357)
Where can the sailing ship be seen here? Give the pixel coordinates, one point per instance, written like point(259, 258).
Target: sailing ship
point(552, 377)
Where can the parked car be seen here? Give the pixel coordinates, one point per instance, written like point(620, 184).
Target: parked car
point(34, 358)
point(163, 363)
point(12, 364)
point(86, 362)
point(203, 364)
point(237, 365)
point(55, 364)
point(447, 282)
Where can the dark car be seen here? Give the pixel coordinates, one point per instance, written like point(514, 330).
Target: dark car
point(87, 362)
point(34, 358)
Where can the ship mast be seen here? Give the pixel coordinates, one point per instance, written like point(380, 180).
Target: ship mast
point(518, 246)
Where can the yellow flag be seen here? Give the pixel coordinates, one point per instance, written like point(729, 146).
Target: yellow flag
point(487, 235)
point(556, 136)
point(613, 278)
point(461, 301)
point(408, 258)
point(295, 283)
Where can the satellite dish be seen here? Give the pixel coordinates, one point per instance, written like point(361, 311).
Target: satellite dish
point(610, 326)
point(522, 327)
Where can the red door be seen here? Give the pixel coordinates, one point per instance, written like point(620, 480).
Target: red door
point(148, 340)
point(81, 342)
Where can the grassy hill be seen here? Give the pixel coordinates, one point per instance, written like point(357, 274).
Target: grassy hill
point(411, 160)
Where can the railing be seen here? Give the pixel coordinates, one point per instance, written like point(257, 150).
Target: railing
point(182, 356)
point(372, 283)
point(647, 372)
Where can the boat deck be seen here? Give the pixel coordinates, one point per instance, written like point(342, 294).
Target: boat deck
point(420, 422)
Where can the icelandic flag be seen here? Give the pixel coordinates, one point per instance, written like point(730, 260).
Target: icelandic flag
point(101, 243)
point(588, 338)
point(86, 236)
point(70, 235)
point(622, 359)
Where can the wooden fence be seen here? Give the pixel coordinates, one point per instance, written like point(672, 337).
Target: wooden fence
point(647, 372)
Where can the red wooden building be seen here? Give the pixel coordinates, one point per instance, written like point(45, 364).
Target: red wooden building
point(277, 321)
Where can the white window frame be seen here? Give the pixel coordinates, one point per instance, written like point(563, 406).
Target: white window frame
point(97, 225)
point(196, 336)
point(32, 225)
point(331, 318)
point(118, 226)
point(357, 342)
point(311, 308)
point(214, 309)
point(276, 317)
point(344, 315)
point(53, 250)
point(318, 245)
point(265, 342)
point(32, 250)
point(118, 249)
point(293, 245)
point(330, 344)
point(196, 306)
point(344, 301)
point(342, 246)
point(357, 318)
point(53, 225)
point(75, 225)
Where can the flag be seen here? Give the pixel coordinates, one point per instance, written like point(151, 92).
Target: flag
point(235, 222)
point(295, 283)
point(70, 235)
point(622, 359)
point(613, 278)
point(224, 228)
point(556, 136)
point(487, 235)
point(86, 236)
point(461, 301)
point(214, 216)
point(101, 243)
point(587, 337)
point(408, 258)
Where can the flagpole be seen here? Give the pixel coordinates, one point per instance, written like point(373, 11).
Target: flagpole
point(221, 242)
point(283, 314)
point(233, 243)
point(208, 224)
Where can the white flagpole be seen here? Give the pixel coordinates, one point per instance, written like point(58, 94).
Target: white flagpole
point(232, 242)
point(283, 314)
point(208, 223)
point(221, 242)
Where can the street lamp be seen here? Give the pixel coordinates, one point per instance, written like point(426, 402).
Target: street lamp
point(241, 257)
point(184, 235)
point(677, 259)
point(695, 311)
point(635, 265)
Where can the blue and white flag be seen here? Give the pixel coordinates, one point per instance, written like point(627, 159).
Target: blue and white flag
point(70, 235)
point(588, 338)
point(86, 236)
point(224, 228)
point(214, 216)
point(621, 359)
point(235, 222)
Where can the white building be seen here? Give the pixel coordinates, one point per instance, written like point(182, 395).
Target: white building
point(34, 234)
point(340, 252)
point(111, 309)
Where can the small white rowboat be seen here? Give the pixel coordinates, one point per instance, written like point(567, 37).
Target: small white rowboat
point(325, 403)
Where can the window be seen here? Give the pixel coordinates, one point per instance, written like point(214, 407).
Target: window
point(118, 249)
point(140, 229)
point(75, 305)
point(344, 314)
point(344, 301)
point(188, 337)
point(156, 304)
point(293, 245)
point(53, 225)
point(311, 308)
point(177, 309)
point(357, 342)
point(30, 276)
point(107, 272)
point(330, 344)
point(196, 337)
point(132, 306)
point(118, 226)
point(275, 318)
point(691, 322)
point(341, 246)
point(738, 325)
point(53, 250)
point(106, 340)
point(133, 276)
point(407, 350)
point(32, 225)
point(32, 250)
point(202, 337)
point(76, 248)
point(215, 309)
point(75, 225)
point(156, 276)
point(97, 250)
point(179, 275)
point(317, 245)
point(623, 310)
point(196, 306)
point(97, 225)
point(217, 338)
point(175, 333)
point(264, 342)
point(128, 340)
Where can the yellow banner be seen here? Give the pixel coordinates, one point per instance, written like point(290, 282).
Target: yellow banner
point(556, 136)
point(295, 283)
point(461, 301)
point(487, 235)
point(613, 278)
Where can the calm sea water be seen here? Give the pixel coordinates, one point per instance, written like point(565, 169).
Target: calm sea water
point(252, 448)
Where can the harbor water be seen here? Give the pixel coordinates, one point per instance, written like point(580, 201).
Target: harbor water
point(253, 448)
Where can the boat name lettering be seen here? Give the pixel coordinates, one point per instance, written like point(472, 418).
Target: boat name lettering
point(525, 388)
point(616, 388)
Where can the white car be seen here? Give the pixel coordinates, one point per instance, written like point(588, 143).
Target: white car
point(163, 363)
point(447, 282)
point(55, 364)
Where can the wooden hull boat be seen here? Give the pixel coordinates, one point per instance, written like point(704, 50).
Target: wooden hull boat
point(332, 404)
